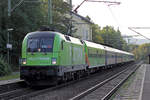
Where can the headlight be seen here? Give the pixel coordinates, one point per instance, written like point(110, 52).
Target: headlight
point(24, 61)
point(54, 61)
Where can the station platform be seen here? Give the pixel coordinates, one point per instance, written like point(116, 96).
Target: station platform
point(3, 82)
point(146, 84)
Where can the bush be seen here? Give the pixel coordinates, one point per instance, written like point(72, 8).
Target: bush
point(5, 68)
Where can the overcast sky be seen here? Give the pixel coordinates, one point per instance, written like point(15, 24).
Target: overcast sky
point(130, 13)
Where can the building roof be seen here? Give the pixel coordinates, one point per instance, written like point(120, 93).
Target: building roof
point(83, 18)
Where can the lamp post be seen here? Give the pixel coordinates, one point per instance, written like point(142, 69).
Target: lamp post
point(49, 12)
point(9, 46)
point(8, 30)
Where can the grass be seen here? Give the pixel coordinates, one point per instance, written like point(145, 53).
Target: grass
point(9, 77)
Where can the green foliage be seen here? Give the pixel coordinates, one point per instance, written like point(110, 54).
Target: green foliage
point(109, 36)
point(132, 47)
point(11, 76)
point(141, 52)
point(113, 38)
point(5, 68)
point(96, 37)
point(59, 10)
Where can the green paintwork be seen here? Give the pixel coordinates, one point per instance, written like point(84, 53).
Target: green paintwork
point(41, 58)
point(97, 57)
point(72, 54)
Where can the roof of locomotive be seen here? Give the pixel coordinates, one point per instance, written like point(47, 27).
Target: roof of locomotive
point(40, 33)
point(62, 36)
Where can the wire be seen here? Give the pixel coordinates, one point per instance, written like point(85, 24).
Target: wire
point(17, 5)
point(114, 17)
point(140, 27)
point(111, 2)
point(130, 28)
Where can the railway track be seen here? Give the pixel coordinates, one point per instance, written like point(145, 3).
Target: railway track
point(104, 90)
point(25, 93)
point(7, 90)
point(69, 91)
point(12, 86)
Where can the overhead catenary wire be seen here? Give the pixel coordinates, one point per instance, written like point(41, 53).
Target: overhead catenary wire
point(17, 5)
point(111, 2)
point(130, 28)
point(100, 1)
point(140, 27)
point(114, 17)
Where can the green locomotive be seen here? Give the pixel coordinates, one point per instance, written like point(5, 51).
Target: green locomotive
point(49, 57)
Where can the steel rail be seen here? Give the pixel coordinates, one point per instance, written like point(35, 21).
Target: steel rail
point(90, 90)
point(120, 84)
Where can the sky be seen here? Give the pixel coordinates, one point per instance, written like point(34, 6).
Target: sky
point(130, 13)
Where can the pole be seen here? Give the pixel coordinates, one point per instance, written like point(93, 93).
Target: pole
point(9, 15)
point(9, 8)
point(7, 47)
point(49, 12)
point(70, 33)
point(75, 10)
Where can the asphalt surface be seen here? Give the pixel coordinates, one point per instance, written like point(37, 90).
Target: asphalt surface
point(146, 87)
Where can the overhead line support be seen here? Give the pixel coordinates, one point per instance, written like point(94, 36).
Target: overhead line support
point(75, 10)
point(110, 3)
point(113, 2)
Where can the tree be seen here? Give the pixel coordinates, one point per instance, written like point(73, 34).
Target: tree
point(108, 36)
point(59, 10)
point(96, 37)
point(142, 51)
point(113, 38)
point(88, 17)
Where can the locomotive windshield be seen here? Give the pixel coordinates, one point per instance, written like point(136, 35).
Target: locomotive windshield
point(40, 42)
point(33, 45)
point(46, 44)
point(40, 45)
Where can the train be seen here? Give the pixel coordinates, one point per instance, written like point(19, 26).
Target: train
point(49, 57)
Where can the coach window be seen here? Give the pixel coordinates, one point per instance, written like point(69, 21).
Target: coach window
point(97, 55)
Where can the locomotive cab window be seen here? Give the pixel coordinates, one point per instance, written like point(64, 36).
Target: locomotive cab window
point(40, 44)
point(33, 45)
point(46, 44)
